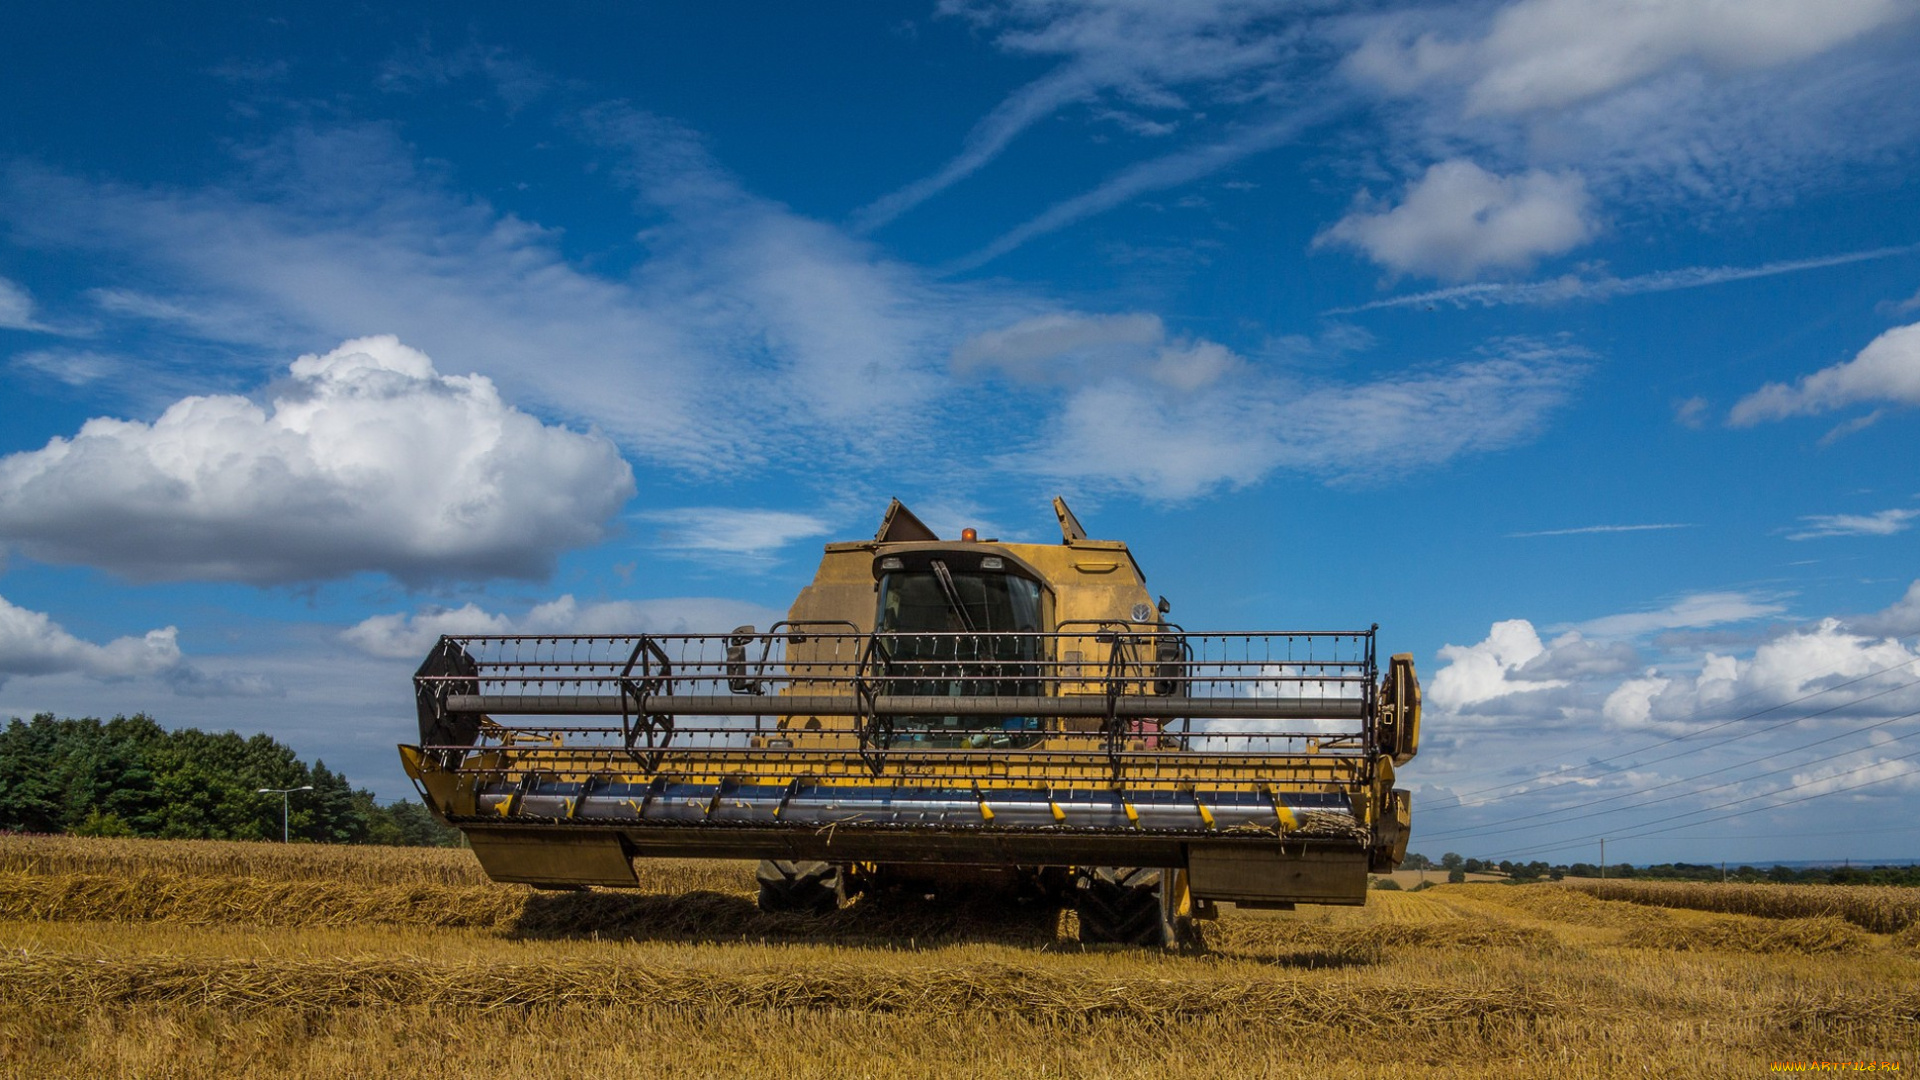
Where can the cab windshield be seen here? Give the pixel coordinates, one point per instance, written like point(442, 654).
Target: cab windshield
point(961, 634)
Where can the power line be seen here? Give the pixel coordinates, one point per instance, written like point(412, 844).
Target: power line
point(1720, 806)
point(1536, 824)
point(1679, 738)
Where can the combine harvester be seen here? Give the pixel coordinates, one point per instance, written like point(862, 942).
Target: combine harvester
point(936, 714)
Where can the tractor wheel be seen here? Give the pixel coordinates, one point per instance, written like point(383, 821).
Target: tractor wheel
point(811, 888)
point(1120, 905)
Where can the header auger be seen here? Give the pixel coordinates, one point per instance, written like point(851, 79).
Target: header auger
point(938, 713)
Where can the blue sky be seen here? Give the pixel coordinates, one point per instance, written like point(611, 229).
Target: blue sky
point(1575, 342)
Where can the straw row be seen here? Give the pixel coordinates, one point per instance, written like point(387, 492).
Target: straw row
point(1823, 934)
point(1883, 909)
point(38, 978)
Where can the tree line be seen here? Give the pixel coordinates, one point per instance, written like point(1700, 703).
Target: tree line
point(1458, 867)
point(129, 776)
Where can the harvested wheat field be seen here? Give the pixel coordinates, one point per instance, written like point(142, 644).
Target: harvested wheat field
point(150, 958)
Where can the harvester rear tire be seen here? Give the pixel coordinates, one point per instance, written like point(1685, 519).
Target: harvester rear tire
point(808, 888)
point(1120, 905)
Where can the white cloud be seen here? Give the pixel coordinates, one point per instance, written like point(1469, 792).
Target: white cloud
point(1140, 54)
point(1675, 104)
point(1155, 174)
point(723, 530)
point(1883, 523)
point(1898, 620)
point(405, 636)
point(367, 460)
point(1549, 54)
point(1688, 612)
point(1782, 669)
point(16, 307)
point(75, 367)
point(31, 643)
point(1488, 670)
point(1602, 287)
point(1058, 345)
point(1213, 419)
point(1887, 370)
point(1582, 726)
point(1849, 775)
point(1459, 220)
point(744, 331)
point(1585, 530)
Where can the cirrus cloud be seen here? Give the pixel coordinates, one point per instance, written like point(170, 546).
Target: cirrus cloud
point(1547, 54)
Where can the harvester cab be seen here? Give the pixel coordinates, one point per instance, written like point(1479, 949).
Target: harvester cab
point(938, 713)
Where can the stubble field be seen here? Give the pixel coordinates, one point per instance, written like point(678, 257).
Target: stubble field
point(148, 958)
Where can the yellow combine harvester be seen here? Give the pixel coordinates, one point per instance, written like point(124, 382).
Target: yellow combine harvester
point(936, 714)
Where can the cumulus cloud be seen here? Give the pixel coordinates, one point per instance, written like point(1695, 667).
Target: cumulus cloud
point(1782, 669)
point(1213, 418)
point(1883, 523)
point(1489, 669)
point(1458, 220)
point(31, 643)
point(367, 459)
point(724, 530)
point(408, 635)
point(1887, 371)
point(1899, 620)
point(1581, 723)
point(1513, 677)
point(1548, 54)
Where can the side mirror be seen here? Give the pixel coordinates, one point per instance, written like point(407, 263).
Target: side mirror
point(737, 680)
point(1170, 665)
point(1164, 606)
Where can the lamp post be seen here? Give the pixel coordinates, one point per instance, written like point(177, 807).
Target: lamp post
point(286, 799)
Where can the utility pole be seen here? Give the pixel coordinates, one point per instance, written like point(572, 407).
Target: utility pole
point(1603, 858)
point(286, 795)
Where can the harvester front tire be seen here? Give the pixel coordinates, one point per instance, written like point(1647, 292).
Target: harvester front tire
point(806, 888)
point(1120, 905)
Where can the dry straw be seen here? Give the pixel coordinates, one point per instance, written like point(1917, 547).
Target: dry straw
point(1817, 935)
point(43, 979)
point(1883, 909)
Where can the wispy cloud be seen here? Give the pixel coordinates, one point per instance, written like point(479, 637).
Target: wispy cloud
point(1589, 529)
point(1215, 419)
point(726, 531)
point(1572, 287)
point(1883, 523)
point(17, 310)
point(1157, 174)
point(1140, 54)
point(1688, 612)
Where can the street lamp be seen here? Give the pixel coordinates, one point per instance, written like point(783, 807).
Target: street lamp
point(286, 797)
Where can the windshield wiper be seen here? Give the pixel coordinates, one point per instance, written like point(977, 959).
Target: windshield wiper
point(945, 577)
